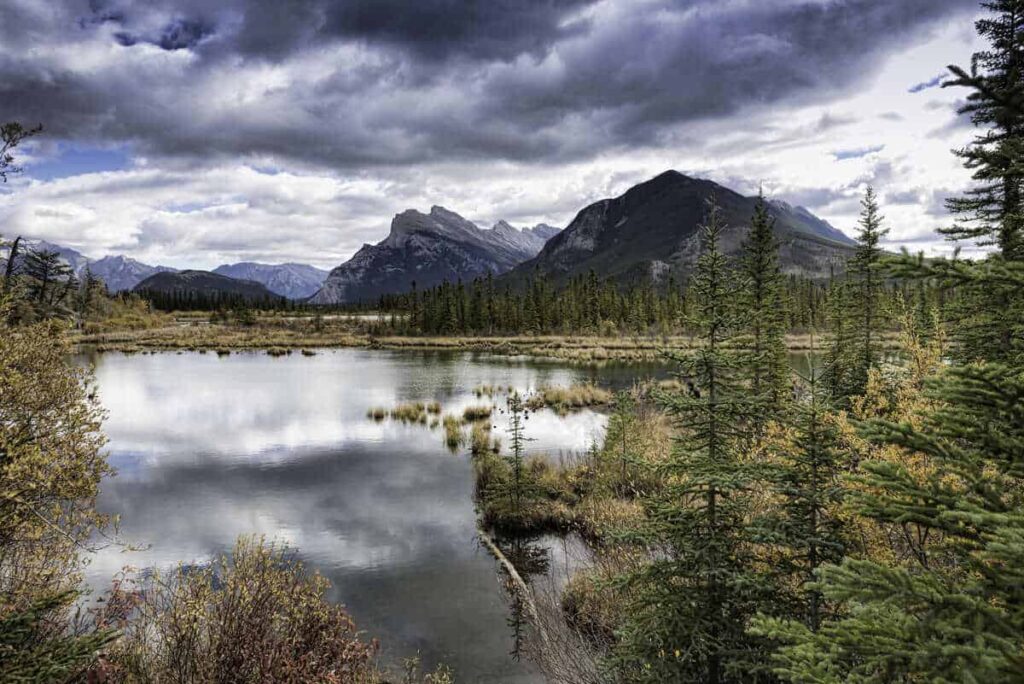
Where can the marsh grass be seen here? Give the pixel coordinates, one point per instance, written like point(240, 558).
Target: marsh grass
point(412, 412)
point(453, 436)
point(184, 331)
point(562, 400)
point(480, 440)
point(472, 414)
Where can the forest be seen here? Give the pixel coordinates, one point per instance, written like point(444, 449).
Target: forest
point(858, 521)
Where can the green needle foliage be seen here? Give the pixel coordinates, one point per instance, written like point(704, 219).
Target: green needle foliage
point(955, 611)
point(991, 213)
point(30, 651)
point(868, 315)
point(767, 365)
point(689, 606)
point(809, 483)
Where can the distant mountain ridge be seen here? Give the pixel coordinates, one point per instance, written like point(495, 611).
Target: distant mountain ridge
point(427, 249)
point(294, 281)
point(648, 232)
point(651, 231)
point(121, 273)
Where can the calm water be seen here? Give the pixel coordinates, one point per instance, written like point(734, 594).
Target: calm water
point(208, 448)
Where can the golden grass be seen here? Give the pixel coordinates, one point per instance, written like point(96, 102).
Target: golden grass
point(565, 399)
point(412, 412)
point(473, 414)
point(453, 437)
point(191, 332)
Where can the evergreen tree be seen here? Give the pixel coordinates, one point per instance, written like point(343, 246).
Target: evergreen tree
point(867, 311)
point(12, 134)
point(31, 650)
point(767, 364)
point(689, 606)
point(49, 278)
point(954, 611)
point(10, 267)
point(992, 212)
point(808, 482)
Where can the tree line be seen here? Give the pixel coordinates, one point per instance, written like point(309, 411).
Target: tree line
point(589, 304)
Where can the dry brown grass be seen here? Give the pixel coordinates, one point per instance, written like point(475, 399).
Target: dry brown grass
point(565, 399)
point(193, 332)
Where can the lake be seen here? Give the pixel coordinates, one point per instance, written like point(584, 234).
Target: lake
point(208, 448)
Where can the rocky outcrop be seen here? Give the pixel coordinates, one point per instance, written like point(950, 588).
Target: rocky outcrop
point(427, 249)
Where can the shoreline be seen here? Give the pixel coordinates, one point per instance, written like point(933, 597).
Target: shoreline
point(284, 340)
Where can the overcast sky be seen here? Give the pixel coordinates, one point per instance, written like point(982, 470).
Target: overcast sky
point(194, 133)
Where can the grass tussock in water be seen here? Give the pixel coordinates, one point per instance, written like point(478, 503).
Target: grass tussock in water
point(491, 391)
point(595, 494)
point(453, 436)
point(480, 440)
point(565, 399)
point(412, 412)
point(377, 414)
point(472, 414)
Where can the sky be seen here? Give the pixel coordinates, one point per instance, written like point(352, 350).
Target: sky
point(192, 133)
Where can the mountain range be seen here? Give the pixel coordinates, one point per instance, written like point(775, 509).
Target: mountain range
point(121, 273)
point(426, 249)
point(294, 281)
point(652, 231)
point(649, 232)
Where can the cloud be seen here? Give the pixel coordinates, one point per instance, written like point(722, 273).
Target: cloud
point(383, 82)
point(926, 85)
point(238, 112)
point(841, 155)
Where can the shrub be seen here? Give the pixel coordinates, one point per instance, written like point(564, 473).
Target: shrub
point(257, 616)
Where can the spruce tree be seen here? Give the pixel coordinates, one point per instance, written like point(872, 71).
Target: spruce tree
point(689, 606)
point(766, 365)
point(954, 611)
point(49, 276)
point(867, 311)
point(991, 213)
point(807, 481)
point(990, 322)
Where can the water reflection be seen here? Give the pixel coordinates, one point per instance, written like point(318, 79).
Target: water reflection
point(211, 447)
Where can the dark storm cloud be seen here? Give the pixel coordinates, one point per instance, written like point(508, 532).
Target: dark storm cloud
point(362, 82)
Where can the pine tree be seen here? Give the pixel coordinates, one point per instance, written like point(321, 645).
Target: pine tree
point(767, 364)
point(808, 483)
point(49, 275)
point(867, 311)
point(992, 212)
point(688, 606)
point(954, 612)
point(12, 134)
